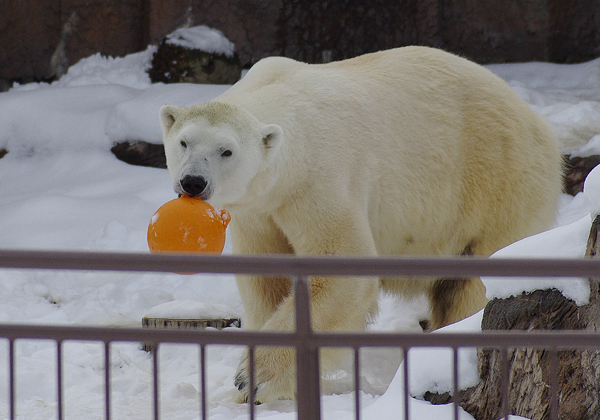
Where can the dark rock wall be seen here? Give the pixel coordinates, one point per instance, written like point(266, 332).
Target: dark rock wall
point(29, 34)
point(252, 25)
point(316, 31)
point(496, 30)
point(41, 38)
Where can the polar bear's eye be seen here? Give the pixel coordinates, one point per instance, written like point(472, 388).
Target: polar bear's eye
point(183, 144)
point(226, 153)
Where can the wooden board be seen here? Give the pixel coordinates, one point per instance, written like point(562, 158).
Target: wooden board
point(187, 324)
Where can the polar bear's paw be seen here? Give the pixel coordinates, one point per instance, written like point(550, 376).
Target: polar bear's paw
point(274, 375)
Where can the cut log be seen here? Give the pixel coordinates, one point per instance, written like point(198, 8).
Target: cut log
point(530, 370)
point(187, 324)
point(190, 324)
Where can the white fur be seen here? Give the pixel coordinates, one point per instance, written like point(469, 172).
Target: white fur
point(411, 151)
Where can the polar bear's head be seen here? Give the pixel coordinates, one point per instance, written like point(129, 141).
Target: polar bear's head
point(215, 150)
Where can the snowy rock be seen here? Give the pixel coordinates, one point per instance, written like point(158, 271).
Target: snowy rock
point(202, 38)
point(140, 153)
point(195, 55)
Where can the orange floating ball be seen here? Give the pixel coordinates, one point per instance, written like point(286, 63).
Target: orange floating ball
point(187, 224)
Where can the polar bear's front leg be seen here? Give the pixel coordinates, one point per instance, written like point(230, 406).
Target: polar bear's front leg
point(261, 296)
point(336, 305)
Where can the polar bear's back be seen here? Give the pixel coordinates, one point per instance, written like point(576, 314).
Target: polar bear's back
point(435, 146)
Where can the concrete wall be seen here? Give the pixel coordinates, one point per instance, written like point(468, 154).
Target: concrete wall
point(40, 38)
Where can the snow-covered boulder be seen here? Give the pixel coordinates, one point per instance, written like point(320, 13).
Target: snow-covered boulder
point(195, 55)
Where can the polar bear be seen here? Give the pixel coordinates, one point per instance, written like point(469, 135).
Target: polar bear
point(410, 151)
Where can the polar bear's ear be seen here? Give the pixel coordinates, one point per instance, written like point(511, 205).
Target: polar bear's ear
point(168, 114)
point(271, 135)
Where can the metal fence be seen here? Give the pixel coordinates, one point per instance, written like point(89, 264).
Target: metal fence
point(306, 342)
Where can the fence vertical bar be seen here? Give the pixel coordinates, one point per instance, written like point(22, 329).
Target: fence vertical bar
point(357, 383)
point(251, 381)
point(505, 381)
point(203, 382)
point(406, 385)
point(553, 374)
point(107, 379)
point(307, 356)
point(11, 379)
point(456, 390)
point(59, 386)
point(155, 380)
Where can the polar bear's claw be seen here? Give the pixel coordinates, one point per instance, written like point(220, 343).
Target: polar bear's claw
point(242, 383)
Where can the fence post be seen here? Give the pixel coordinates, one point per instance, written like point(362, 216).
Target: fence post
point(11, 380)
point(308, 392)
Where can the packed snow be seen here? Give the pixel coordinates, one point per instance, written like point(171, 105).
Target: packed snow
point(63, 189)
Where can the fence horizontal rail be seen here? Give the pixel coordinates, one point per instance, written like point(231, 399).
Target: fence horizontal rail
point(306, 342)
point(504, 339)
point(293, 265)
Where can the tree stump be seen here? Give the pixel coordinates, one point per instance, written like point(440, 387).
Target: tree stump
point(529, 370)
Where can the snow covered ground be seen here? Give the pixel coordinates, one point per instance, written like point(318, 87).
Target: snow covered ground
point(61, 188)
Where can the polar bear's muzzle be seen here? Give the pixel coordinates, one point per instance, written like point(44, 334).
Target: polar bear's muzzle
point(196, 186)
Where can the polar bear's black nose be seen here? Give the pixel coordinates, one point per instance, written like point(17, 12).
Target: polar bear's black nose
point(193, 185)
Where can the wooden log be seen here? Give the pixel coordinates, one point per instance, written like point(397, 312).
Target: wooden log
point(530, 370)
point(187, 324)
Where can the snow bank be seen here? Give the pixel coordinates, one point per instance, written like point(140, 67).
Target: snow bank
point(97, 69)
point(93, 116)
point(136, 118)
